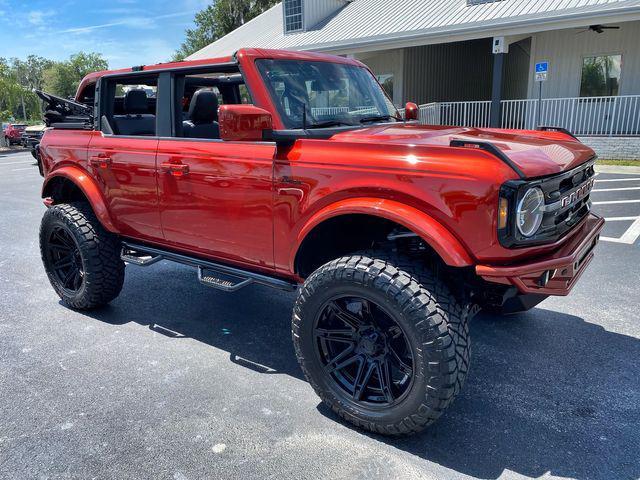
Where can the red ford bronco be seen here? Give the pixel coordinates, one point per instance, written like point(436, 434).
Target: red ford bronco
point(295, 171)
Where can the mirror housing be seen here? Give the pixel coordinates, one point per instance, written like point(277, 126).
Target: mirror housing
point(243, 123)
point(411, 111)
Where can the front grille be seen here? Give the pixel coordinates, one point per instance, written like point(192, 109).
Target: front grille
point(567, 202)
point(560, 218)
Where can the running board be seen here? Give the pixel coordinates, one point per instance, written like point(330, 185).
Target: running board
point(211, 274)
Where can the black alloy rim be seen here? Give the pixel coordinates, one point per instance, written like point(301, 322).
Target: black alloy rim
point(65, 259)
point(364, 351)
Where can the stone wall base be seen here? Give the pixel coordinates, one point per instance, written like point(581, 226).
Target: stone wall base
point(614, 148)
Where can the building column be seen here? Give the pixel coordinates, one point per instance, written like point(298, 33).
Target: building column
point(496, 89)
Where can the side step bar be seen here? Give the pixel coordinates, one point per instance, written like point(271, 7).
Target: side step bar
point(211, 274)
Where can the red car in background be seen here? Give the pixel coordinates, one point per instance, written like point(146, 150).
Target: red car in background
point(13, 133)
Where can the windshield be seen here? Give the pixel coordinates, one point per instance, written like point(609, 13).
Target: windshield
point(331, 94)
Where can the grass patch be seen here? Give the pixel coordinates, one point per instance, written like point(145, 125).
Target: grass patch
point(620, 163)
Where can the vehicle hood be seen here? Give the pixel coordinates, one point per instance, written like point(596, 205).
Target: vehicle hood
point(535, 153)
point(36, 128)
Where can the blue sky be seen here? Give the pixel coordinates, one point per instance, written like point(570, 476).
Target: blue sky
point(125, 32)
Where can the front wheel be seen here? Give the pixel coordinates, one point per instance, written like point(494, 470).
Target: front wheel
point(81, 258)
point(385, 349)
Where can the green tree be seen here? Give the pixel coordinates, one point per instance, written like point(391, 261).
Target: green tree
point(63, 78)
point(218, 19)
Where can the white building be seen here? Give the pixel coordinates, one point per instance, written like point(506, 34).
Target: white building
point(440, 54)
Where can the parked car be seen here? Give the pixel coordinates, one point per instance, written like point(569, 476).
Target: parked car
point(31, 135)
point(13, 133)
point(393, 233)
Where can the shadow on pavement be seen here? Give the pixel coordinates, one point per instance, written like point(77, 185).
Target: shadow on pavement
point(547, 392)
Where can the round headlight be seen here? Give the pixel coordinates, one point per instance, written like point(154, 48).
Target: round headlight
point(530, 212)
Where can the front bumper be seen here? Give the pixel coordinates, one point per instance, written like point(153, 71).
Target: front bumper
point(556, 273)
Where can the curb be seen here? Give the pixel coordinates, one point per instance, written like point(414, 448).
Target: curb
point(617, 169)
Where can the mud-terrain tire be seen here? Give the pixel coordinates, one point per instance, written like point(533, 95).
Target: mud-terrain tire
point(72, 238)
point(433, 324)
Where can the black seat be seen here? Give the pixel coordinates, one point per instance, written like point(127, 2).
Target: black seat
point(136, 121)
point(203, 116)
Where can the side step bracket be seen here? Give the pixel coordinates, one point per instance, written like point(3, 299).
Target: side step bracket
point(211, 274)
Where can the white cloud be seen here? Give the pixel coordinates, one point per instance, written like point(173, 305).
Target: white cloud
point(133, 22)
point(38, 17)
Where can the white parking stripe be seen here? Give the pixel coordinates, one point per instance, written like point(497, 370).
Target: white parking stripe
point(2, 164)
point(611, 202)
point(618, 180)
point(629, 237)
point(621, 219)
point(21, 169)
point(615, 189)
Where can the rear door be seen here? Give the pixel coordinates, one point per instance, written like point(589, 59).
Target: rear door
point(122, 154)
point(216, 196)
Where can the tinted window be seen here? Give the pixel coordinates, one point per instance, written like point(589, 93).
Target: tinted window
point(601, 76)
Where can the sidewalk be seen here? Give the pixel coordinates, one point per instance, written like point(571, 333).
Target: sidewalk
point(617, 169)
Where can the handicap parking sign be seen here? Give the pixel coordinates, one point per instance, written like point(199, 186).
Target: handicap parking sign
point(542, 69)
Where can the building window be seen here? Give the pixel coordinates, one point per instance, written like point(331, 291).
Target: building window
point(292, 16)
point(386, 80)
point(601, 76)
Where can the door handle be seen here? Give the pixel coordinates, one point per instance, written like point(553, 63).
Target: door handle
point(175, 169)
point(102, 160)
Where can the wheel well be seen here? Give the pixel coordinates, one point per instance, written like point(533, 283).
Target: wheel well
point(63, 190)
point(350, 233)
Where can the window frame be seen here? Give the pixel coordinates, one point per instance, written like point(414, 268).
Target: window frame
point(603, 54)
point(105, 94)
point(177, 84)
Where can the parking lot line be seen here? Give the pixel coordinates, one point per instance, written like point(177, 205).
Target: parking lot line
point(615, 189)
point(629, 237)
point(621, 219)
point(611, 202)
point(619, 180)
point(21, 169)
point(2, 164)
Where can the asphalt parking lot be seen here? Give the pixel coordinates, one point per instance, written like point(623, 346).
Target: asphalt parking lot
point(177, 381)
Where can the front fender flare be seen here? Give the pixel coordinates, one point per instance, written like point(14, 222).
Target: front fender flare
point(89, 188)
point(445, 244)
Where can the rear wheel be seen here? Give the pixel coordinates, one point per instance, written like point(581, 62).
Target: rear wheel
point(82, 259)
point(385, 352)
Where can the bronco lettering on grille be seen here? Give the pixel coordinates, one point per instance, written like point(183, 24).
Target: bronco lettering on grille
point(578, 194)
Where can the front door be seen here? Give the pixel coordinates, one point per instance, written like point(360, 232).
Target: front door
point(216, 198)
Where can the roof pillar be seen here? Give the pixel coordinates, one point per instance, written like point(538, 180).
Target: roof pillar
point(500, 49)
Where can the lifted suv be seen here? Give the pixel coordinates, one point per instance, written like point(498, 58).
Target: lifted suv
point(295, 171)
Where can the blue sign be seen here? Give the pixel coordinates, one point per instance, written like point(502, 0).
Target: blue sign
point(542, 67)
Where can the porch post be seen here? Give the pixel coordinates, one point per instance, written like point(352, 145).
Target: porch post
point(496, 89)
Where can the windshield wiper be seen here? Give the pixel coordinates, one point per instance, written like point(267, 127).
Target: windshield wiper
point(330, 123)
point(378, 118)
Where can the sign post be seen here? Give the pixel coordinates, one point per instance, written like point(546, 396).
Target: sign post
point(542, 71)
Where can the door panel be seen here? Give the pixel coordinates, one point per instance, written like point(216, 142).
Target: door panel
point(219, 200)
point(126, 170)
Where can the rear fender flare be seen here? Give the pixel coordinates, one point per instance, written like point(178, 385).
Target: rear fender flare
point(89, 188)
point(444, 243)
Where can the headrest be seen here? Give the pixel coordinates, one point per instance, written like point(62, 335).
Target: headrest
point(135, 101)
point(203, 107)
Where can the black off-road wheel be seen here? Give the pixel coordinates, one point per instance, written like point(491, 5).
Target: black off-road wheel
point(385, 347)
point(81, 258)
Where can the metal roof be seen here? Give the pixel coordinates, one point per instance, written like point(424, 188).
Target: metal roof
point(376, 24)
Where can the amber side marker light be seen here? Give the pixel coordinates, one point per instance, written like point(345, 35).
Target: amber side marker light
point(503, 213)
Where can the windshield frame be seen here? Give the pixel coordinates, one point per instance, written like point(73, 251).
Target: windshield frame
point(393, 113)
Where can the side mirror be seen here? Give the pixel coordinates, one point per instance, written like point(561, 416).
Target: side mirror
point(243, 122)
point(411, 111)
